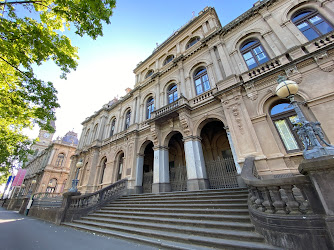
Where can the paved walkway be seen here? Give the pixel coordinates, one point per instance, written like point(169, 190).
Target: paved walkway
point(21, 232)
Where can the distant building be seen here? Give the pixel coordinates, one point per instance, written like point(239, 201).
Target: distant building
point(48, 170)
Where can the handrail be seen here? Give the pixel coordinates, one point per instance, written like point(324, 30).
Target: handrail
point(46, 195)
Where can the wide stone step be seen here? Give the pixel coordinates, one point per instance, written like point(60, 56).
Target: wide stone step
point(202, 197)
point(188, 206)
point(211, 217)
point(208, 232)
point(208, 192)
point(192, 210)
point(196, 201)
point(132, 220)
point(171, 240)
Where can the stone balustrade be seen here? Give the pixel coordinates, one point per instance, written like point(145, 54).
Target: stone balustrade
point(170, 107)
point(203, 97)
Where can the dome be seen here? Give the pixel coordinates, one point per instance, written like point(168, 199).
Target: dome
point(70, 138)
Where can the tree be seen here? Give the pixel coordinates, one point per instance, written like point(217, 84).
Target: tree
point(31, 32)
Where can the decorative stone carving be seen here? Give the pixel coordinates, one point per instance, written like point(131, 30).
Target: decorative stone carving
point(293, 74)
point(236, 114)
point(154, 132)
point(251, 91)
point(324, 62)
point(185, 123)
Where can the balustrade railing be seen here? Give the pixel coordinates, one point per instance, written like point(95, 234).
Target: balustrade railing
point(202, 97)
point(170, 107)
point(47, 200)
point(99, 198)
point(284, 196)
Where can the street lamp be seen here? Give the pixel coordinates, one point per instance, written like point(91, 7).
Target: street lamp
point(309, 132)
point(75, 180)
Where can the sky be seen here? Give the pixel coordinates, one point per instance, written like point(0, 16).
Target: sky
point(106, 64)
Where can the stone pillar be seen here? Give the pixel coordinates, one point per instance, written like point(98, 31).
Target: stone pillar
point(137, 109)
point(182, 82)
point(218, 73)
point(139, 174)
point(161, 170)
point(157, 97)
point(290, 28)
point(224, 59)
point(196, 172)
point(321, 172)
point(92, 172)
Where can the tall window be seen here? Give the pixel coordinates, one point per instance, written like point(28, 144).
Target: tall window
point(127, 119)
point(149, 107)
point(253, 53)
point(95, 132)
point(60, 160)
point(284, 118)
point(120, 167)
point(112, 127)
point(168, 59)
point(87, 137)
point(172, 93)
point(311, 24)
point(103, 168)
point(149, 73)
point(201, 79)
point(192, 42)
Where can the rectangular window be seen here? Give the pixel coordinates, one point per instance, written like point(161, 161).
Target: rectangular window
point(286, 135)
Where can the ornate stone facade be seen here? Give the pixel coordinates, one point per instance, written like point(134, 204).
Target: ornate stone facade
point(214, 100)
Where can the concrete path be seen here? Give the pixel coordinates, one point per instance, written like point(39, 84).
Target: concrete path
point(21, 232)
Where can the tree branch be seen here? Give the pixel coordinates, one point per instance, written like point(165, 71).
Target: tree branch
point(13, 66)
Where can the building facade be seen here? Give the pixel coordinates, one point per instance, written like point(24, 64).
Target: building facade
point(205, 99)
point(48, 171)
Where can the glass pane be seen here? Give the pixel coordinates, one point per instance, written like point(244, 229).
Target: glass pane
point(205, 78)
point(198, 82)
point(206, 85)
point(310, 34)
point(199, 89)
point(262, 58)
point(248, 45)
point(303, 26)
point(324, 28)
point(251, 63)
point(200, 72)
point(247, 55)
point(315, 19)
point(175, 95)
point(300, 15)
point(170, 98)
point(286, 135)
point(280, 108)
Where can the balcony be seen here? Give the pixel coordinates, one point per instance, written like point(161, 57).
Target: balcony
point(170, 110)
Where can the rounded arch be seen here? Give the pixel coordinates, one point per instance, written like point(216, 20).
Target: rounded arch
point(255, 33)
point(196, 65)
point(119, 165)
point(168, 59)
point(143, 145)
point(169, 135)
point(271, 97)
point(169, 82)
point(192, 41)
point(205, 120)
point(294, 8)
point(149, 73)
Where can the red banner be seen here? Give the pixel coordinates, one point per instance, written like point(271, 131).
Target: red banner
point(19, 178)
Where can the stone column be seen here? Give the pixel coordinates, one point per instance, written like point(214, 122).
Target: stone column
point(139, 174)
point(161, 170)
point(224, 59)
point(182, 82)
point(196, 171)
point(290, 28)
point(218, 73)
point(138, 109)
point(92, 172)
point(157, 96)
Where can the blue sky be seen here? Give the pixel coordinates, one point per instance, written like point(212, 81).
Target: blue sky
point(106, 64)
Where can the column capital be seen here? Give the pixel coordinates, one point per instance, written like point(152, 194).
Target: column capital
point(192, 138)
point(140, 155)
point(160, 148)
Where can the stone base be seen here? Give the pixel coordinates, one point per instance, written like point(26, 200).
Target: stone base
point(197, 184)
point(241, 182)
point(136, 190)
point(161, 187)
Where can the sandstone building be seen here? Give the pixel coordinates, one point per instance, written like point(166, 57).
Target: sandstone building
point(205, 99)
point(48, 171)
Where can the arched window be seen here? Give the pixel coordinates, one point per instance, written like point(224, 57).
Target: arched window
point(52, 185)
point(311, 24)
point(149, 107)
point(172, 93)
point(284, 118)
point(87, 137)
point(253, 53)
point(103, 168)
point(149, 73)
point(168, 59)
point(192, 42)
point(127, 119)
point(112, 126)
point(60, 160)
point(94, 137)
point(120, 167)
point(201, 79)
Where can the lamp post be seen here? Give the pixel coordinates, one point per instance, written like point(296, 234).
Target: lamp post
point(75, 180)
point(310, 133)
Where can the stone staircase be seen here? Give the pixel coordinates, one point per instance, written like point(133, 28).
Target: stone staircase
point(209, 219)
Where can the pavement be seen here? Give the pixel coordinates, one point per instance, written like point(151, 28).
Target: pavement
point(22, 232)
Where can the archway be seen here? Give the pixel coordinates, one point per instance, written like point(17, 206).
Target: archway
point(119, 166)
point(219, 162)
point(177, 163)
point(148, 168)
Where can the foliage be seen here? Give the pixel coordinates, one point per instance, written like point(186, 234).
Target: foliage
point(31, 32)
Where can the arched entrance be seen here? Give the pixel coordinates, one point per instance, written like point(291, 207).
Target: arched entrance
point(219, 162)
point(119, 166)
point(177, 163)
point(148, 168)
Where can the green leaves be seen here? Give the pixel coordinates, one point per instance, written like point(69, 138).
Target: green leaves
point(31, 33)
